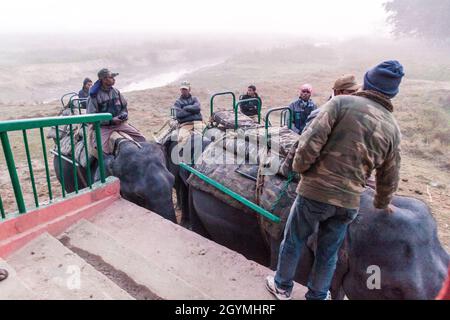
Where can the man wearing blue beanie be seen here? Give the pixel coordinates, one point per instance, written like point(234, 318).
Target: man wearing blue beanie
point(352, 136)
point(385, 78)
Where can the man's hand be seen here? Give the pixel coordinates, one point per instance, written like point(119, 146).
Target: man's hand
point(116, 121)
point(389, 209)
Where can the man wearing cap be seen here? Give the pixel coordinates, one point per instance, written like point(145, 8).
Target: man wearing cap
point(84, 92)
point(351, 137)
point(345, 85)
point(104, 98)
point(302, 108)
point(187, 110)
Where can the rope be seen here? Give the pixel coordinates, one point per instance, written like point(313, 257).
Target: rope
point(283, 191)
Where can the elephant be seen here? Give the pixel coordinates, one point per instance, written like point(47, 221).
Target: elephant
point(402, 246)
point(175, 153)
point(144, 177)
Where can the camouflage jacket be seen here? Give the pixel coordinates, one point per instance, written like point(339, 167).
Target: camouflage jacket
point(351, 137)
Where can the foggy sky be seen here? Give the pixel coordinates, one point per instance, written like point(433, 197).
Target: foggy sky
point(327, 18)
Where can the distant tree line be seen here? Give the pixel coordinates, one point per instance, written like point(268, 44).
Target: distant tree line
point(420, 18)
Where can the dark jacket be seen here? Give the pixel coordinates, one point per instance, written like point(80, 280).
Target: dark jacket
point(350, 137)
point(301, 111)
point(107, 101)
point(249, 108)
point(187, 109)
point(82, 94)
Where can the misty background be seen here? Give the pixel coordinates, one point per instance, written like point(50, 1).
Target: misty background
point(48, 47)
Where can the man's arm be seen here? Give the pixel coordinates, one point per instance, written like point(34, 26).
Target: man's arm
point(193, 108)
point(315, 137)
point(388, 177)
point(91, 105)
point(123, 103)
point(180, 113)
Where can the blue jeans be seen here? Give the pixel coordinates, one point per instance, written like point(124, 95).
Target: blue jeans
point(305, 218)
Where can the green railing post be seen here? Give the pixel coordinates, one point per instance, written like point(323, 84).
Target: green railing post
point(232, 194)
point(98, 142)
point(30, 168)
point(74, 164)
point(13, 172)
point(221, 94)
point(2, 210)
point(284, 109)
point(47, 171)
point(61, 173)
point(86, 153)
point(71, 94)
point(236, 110)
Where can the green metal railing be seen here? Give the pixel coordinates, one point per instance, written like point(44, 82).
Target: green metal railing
point(236, 106)
point(222, 94)
point(41, 123)
point(236, 110)
point(76, 102)
point(261, 211)
point(283, 115)
point(70, 95)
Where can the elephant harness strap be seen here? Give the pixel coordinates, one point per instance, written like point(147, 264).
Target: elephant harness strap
point(117, 138)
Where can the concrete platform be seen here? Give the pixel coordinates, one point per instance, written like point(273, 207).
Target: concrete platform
point(54, 272)
point(209, 267)
point(145, 273)
point(109, 248)
point(12, 288)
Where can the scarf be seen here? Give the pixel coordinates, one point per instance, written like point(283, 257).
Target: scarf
point(376, 97)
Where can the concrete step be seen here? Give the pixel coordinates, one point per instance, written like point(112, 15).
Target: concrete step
point(54, 272)
point(214, 269)
point(12, 288)
point(140, 277)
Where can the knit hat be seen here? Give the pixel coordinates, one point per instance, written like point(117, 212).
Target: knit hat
point(385, 78)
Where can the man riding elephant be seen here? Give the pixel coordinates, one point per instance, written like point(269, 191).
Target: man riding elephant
point(351, 137)
point(187, 110)
point(250, 108)
point(302, 108)
point(84, 92)
point(104, 98)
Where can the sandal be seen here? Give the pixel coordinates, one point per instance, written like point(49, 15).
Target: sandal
point(3, 274)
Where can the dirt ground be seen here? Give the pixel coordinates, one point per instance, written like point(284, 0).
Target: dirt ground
point(422, 110)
